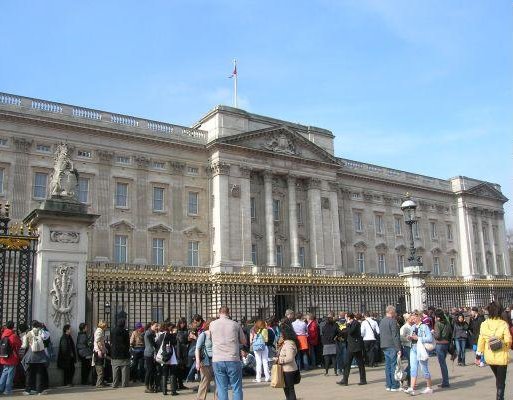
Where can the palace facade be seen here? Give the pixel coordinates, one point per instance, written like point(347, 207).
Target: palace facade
point(244, 192)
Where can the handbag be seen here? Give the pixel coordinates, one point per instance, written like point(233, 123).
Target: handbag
point(277, 379)
point(429, 346)
point(399, 373)
point(494, 343)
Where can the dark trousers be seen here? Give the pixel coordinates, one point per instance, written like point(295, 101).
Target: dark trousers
point(137, 373)
point(85, 371)
point(169, 371)
point(358, 356)
point(330, 358)
point(500, 377)
point(37, 378)
point(289, 378)
point(149, 378)
point(370, 352)
point(68, 374)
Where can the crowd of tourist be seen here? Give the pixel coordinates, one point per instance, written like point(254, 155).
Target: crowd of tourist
point(165, 356)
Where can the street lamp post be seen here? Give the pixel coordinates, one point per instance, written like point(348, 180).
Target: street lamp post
point(409, 208)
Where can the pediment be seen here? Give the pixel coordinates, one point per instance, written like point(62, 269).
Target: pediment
point(193, 231)
point(360, 245)
point(160, 228)
point(400, 248)
point(485, 189)
point(283, 141)
point(122, 225)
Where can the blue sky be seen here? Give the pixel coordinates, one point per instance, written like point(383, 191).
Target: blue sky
point(423, 86)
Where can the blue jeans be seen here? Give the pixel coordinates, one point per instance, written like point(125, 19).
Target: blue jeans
point(228, 373)
point(6, 379)
point(302, 360)
point(341, 356)
point(390, 364)
point(460, 349)
point(311, 354)
point(441, 354)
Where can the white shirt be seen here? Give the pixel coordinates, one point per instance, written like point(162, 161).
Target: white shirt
point(300, 327)
point(366, 328)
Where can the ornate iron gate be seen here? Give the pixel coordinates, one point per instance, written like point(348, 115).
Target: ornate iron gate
point(17, 256)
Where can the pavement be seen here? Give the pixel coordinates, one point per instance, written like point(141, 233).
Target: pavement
point(469, 382)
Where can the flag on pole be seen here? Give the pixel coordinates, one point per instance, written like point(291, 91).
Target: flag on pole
point(234, 76)
point(234, 73)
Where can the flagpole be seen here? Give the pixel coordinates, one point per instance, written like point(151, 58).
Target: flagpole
point(235, 83)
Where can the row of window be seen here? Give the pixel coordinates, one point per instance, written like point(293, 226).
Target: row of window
point(277, 215)
point(158, 251)
point(379, 226)
point(121, 197)
point(401, 263)
point(279, 255)
point(488, 263)
point(484, 231)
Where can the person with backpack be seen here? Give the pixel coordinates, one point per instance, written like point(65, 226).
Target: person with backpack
point(443, 336)
point(36, 360)
point(258, 338)
point(120, 354)
point(166, 357)
point(99, 353)
point(203, 359)
point(10, 345)
point(85, 353)
point(67, 356)
point(370, 335)
point(391, 345)
point(460, 334)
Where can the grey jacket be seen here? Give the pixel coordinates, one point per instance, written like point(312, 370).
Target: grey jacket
point(389, 334)
point(149, 343)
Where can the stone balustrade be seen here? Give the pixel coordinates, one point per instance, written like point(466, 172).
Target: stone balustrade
point(103, 118)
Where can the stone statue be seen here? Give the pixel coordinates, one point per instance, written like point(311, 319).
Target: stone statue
point(64, 181)
point(281, 144)
point(62, 295)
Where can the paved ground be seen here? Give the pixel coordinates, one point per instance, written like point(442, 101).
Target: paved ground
point(468, 382)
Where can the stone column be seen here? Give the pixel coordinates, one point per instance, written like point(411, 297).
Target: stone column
point(220, 217)
point(20, 196)
point(465, 239)
point(415, 284)
point(59, 291)
point(269, 219)
point(503, 249)
point(481, 243)
point(245, 210)
point(335, 226)
point(294, 242)
point(492, 246)
point(104, 196)
point(140, 208)
point(315, 222)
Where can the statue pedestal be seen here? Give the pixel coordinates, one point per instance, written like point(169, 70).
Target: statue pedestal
point(415, 284)
point(59, 292)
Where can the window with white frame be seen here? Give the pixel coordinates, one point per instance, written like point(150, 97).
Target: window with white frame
point(500, 264)
point(43, 148)
point(279, 255)
point(299, 213)
point(83, 190)
point(382, 267)
point(485, 233)
point(276, 209)
point(121, 194)
point(495, 234)
point(193, 203)
point(158, 164)
point(432, 230)
point(3, 142)
point(452, 266)
point(302, 256)
point(2, 178)
point(252, 203)
point(158, 198)
point(157, 251)
point(358, 221)
point(360, 261)
point(474, 233)
point(40, 183)
point(436, 265)
point(400, 262)
point(398, 224)
point(120, 248)
point(193, 170)
point(450, 235)
point(84, 154)
point(479, 263)
point(378, 224)
point(193, 254)
point(254, 254)
point(123, 160)
point(416, 230)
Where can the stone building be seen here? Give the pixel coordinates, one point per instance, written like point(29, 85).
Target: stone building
point(244, 192)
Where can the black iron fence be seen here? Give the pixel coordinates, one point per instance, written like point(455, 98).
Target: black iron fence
point(17, 257)
point(141, 293)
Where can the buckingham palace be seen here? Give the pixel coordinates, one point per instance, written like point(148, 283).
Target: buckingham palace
point(240, 193)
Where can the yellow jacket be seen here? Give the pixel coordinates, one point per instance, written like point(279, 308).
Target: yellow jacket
point(498, 328)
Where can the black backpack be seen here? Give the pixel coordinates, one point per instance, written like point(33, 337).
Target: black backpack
point(5, 347)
